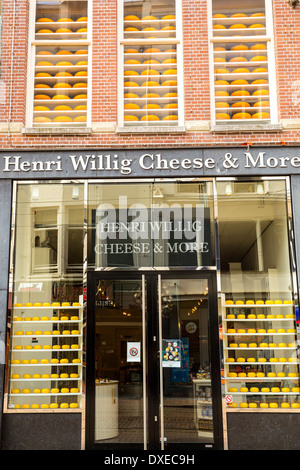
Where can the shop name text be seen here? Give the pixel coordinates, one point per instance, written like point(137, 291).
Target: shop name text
point(147, 162)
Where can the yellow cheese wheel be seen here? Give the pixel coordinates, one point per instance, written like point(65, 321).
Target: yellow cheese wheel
point(264, 405)
point(64, 405)
point(273, 405)
point(53, 405)
point(74, 405)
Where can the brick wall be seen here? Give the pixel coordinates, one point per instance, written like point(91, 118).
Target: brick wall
point(104, 81)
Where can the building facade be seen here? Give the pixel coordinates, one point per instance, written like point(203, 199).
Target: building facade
point(150, 229)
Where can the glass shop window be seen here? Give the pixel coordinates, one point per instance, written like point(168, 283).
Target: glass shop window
point(243, 86)
point(45, 319)
point(59, 51)
point(150, 70)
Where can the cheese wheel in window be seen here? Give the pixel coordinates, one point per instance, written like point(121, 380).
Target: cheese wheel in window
point(127, 73)
point(131, 18)
point(64, 52)
point(80, 85)
point(256, 25)
point(258, 58)
point(238, 59)
point(80, 119)
point(150, 117)
point(130, 118)
point(130, 84)
point(239, 47)
point(219, 26)
point(241, 70)
point(44, 20)
point(241, 104)
point(63, 30)
point(149, 17)
point(261, 116)
point(257, 47)
point(222, 116)
point(63, 63)
point(238, 26)
point(240, 93)
point(222, 104)
point(45, 31)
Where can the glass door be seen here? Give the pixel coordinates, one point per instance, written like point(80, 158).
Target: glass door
point(153, 377)
point(189, 371)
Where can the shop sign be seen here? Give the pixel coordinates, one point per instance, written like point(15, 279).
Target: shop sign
point(170, 162)
point(140, 230)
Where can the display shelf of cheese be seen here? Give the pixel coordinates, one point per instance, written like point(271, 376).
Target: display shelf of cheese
point(150, 85)
point(241, 82)
point(245, 24)
point(59, 29)
point(241, 70)
point(260, 355)
point(46, 361)
point(60, 87)
point(157, 28)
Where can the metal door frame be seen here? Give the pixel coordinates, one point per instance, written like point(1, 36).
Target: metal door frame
point(153, 429)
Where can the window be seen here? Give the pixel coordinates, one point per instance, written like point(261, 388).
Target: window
point(242, 70)
point(59, 40)
point(150, 81)
point(259, 309)
point(46, 325)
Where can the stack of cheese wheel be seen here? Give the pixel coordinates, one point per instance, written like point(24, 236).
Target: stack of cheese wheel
point(36, 366)
point(150, 72)
point(241, 68)
point(260, 347)
point(57, 27)
point(60, 87)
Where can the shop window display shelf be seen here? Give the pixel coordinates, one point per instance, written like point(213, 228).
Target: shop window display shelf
point(261, 364)
point(146, 39)
point(40, 366)
point(60, 45)
point(241, 35)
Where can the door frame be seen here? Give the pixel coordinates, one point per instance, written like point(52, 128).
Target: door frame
point(152, 332)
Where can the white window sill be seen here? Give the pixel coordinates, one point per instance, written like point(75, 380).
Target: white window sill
point(151, 130)
point(247, 128)
point(53, 130)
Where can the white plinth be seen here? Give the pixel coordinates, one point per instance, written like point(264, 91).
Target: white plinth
point(106, 410)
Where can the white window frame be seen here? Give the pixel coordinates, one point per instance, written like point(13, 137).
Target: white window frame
point(33, 43)
point(269, 39)
point(178, 41)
